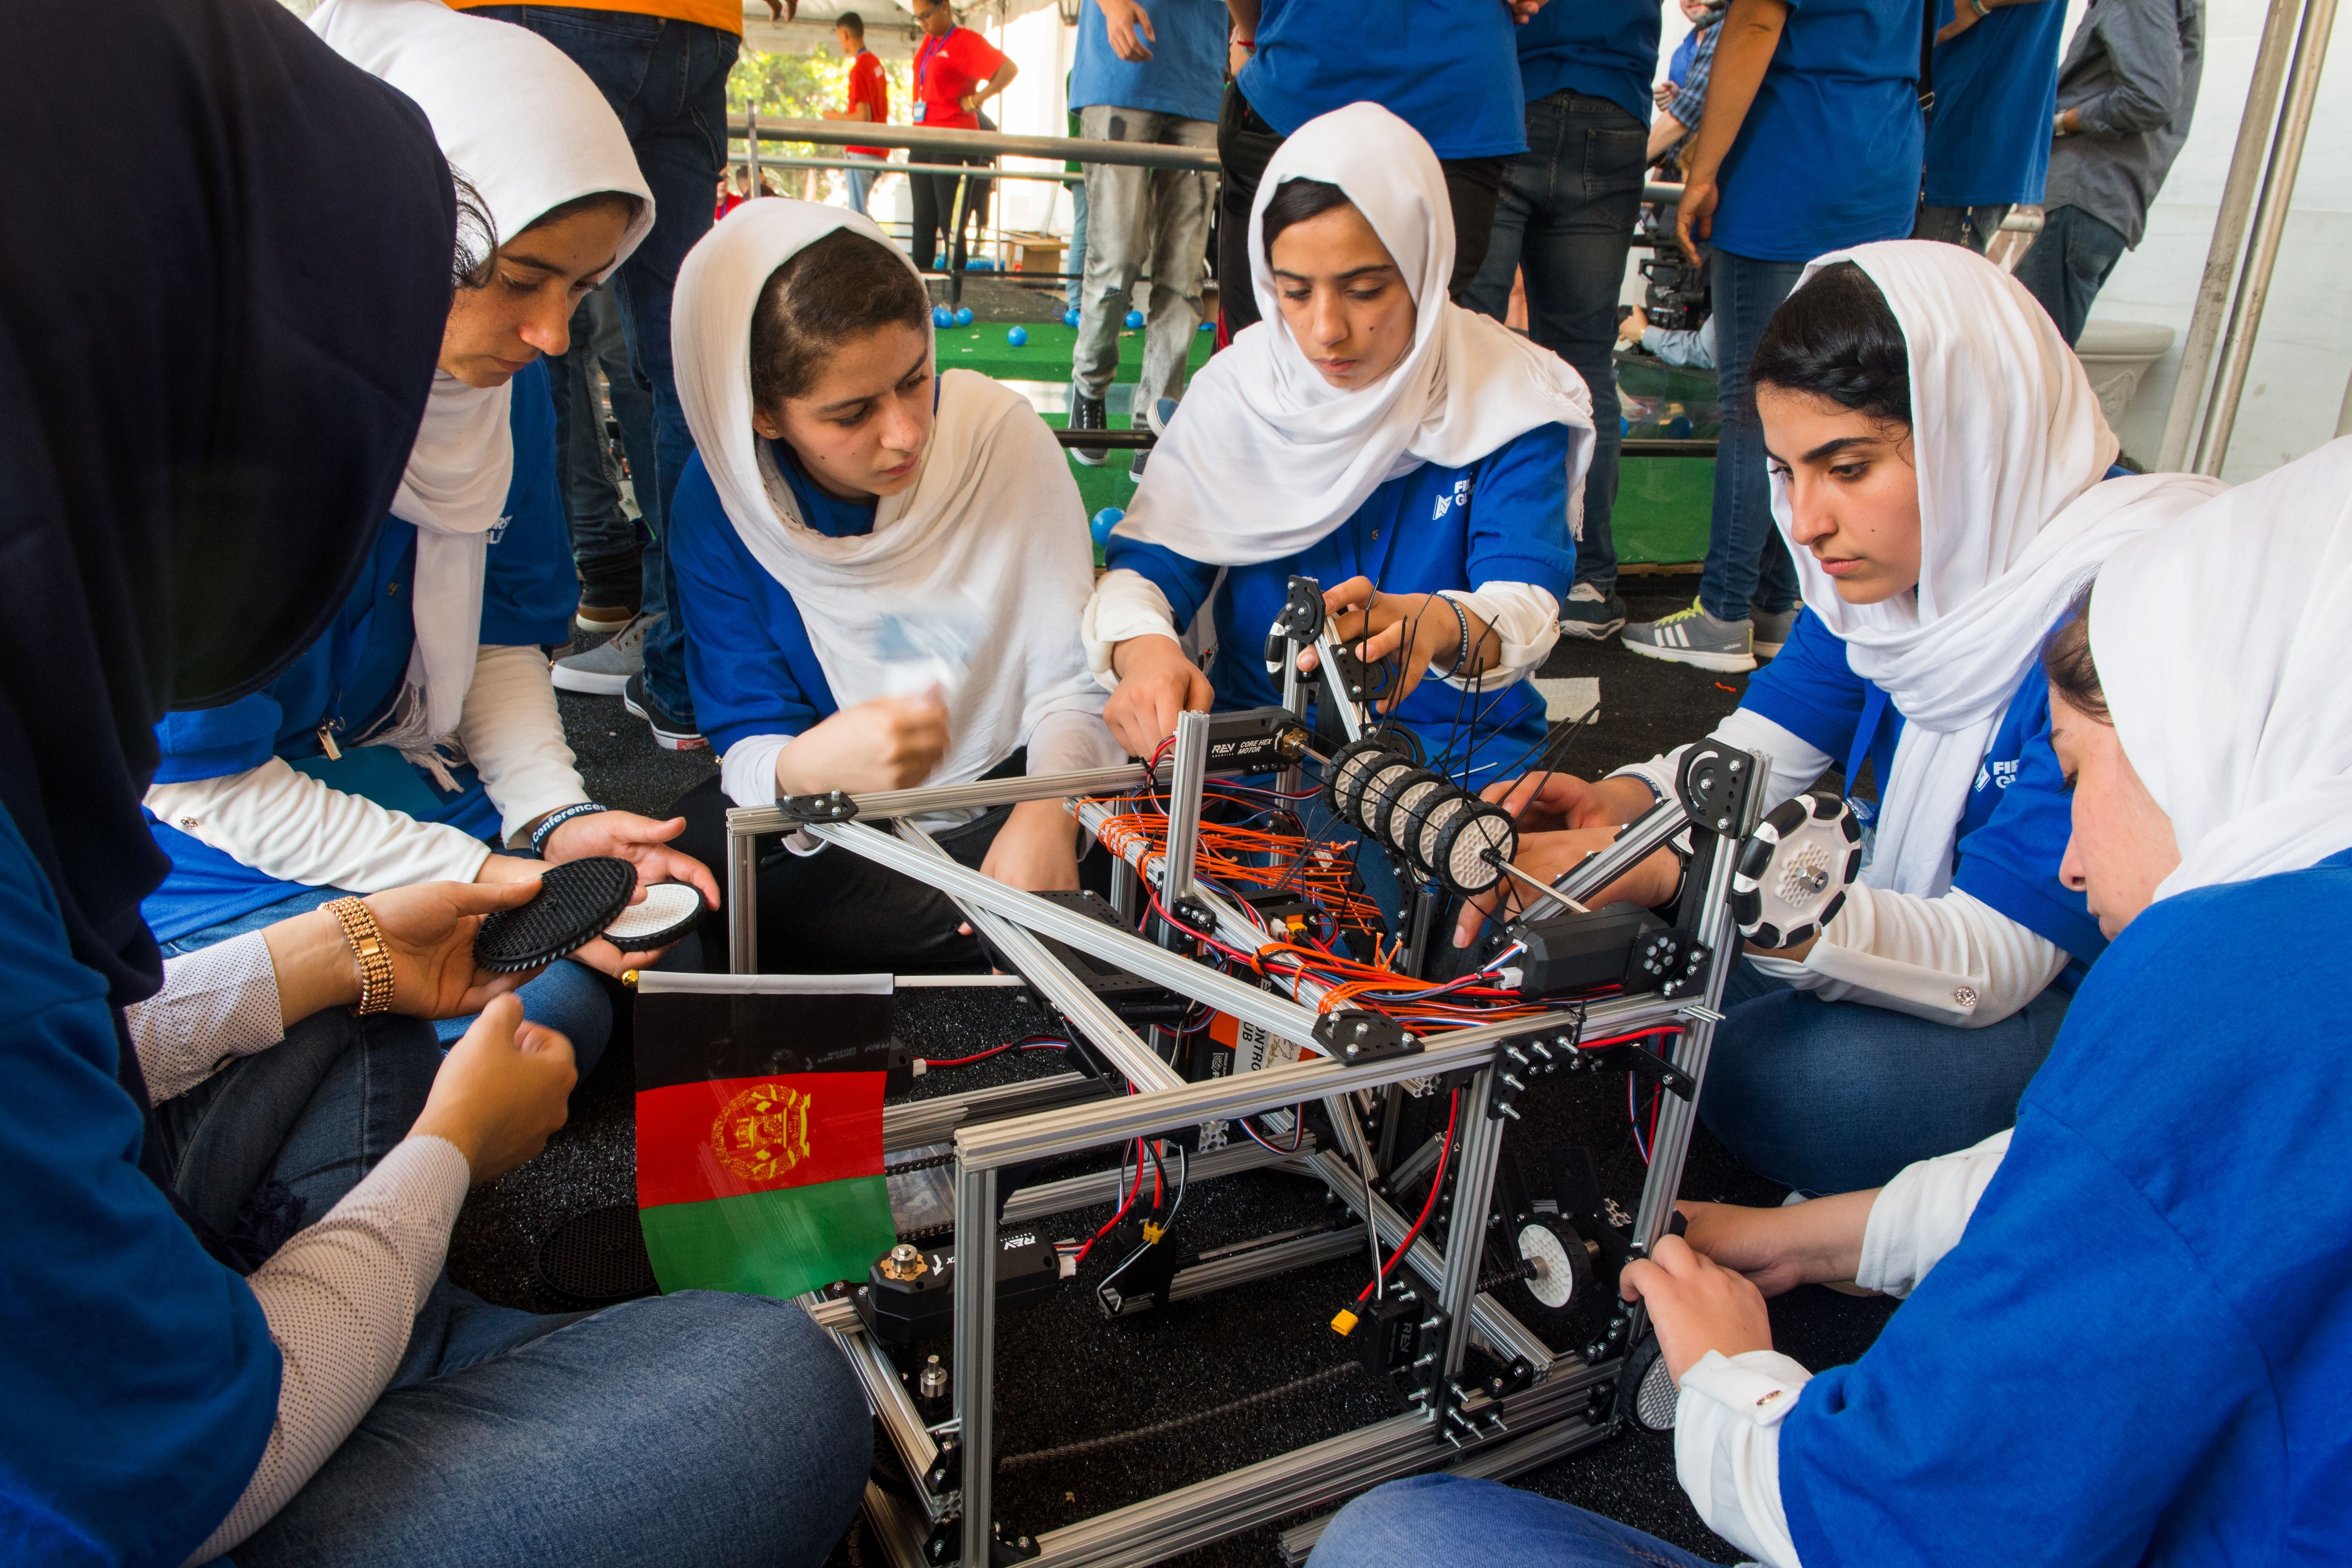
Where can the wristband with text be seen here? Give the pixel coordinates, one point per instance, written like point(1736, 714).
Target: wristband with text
point(555, 819)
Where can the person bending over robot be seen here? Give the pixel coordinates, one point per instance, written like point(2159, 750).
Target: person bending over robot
point(1946, 481)
point(884, 569)
point(423, 721)
point(2109, 1355)
point(1422, 463)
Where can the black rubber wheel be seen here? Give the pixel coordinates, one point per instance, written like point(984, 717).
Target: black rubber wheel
point(575, 902)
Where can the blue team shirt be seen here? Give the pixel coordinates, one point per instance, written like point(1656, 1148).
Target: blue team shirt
point(1603, 49)
point(2013, 830)
point(1830, 152)
point(1501, 519)
point(1996, 89)
point(349, 678)
point(2140, 1353)
point(1449, 68)
point(1185, 74)
point(140, 1379)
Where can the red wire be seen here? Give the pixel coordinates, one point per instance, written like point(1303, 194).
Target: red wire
point(1435, 1185)
point(1132, 1192)
point(996, 1051)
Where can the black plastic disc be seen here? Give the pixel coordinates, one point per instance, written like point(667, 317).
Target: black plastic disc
point(598, 1257)
point(575, 902)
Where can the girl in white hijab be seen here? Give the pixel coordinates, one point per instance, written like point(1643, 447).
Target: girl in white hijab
point(424, 723)
point(884, 569)
point(1946, 481)
point(1424, 464)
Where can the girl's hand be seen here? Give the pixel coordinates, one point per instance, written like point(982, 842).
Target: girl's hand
point(500, 1092)
point(1549, 856)
point(1547, 803)
point(891, 742)
point(1156, 682)
point(640, 841)
point(1696, 1305)
point(1695, 217)
point(1778, 1249)
point(1418, 628)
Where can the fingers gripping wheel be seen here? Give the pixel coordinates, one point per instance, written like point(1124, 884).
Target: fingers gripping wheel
point(575, 902)
point(1794, 870)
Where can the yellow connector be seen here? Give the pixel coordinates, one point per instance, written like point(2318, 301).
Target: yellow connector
point(1345, 1323)
point(1152, 1232)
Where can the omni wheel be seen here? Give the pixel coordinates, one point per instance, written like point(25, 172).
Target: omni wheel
point(1794, 870)
point(1350, 770)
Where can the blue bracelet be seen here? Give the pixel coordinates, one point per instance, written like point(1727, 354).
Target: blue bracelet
point(555, 819)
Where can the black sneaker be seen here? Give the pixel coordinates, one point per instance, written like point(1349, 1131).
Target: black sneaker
point(670, 732)
point(1590, 613)
point(1088, 414)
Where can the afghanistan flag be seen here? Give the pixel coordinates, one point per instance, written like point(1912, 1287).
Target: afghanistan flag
point(760, 1136)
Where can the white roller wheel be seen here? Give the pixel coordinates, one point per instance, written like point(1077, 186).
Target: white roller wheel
point(668, 912)
point(1553, 1283)
point(1472, 847)
point(1794, 870)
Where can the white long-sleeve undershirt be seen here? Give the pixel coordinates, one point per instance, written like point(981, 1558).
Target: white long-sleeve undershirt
point(1952, 960)
point(1727, 1416)
point(1126, 603)
point(294, 827)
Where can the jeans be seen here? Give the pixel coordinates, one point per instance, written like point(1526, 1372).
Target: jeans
point(1245, 143)
point(604, 541)
point(567, 997)
point(1396, 1525)
point(1077, 292)
point(628, 1435)
point(861, 181)
point(1141, 221)
point(2068, 264)
point(667, 81)
point(1748, 565)
point(1971, 227)
point(1566, 220)
point(935, 207)
point(1833, 1097)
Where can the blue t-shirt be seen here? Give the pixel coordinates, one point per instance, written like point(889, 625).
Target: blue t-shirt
point(1449, 68)
point(1185, 74)
point(1830, 152)
point(2013, 830)
point(349, 680)
point(1603, 49)
point(2140, 1353)
point(140, 1379)
point(1501, 519)
point(1996, 89)
point(1679, 63)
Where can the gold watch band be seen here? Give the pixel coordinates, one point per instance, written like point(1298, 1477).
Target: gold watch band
point(368, 946)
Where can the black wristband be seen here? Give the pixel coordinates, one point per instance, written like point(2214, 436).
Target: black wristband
point(555, 819)
point(1461, 652)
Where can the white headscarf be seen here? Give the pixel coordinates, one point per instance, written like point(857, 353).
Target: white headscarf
point(2010, 448)
point(1269, 457)
point(2243, 737)
point(976, 575)
point(529, 132)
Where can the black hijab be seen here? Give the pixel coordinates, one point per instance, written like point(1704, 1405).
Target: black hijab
point(224, 264)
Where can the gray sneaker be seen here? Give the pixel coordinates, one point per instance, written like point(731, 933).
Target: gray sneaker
point(1694, 637)
point(604, 671)
point(1589, 614)
point(1773, 628)
point(1086, 414)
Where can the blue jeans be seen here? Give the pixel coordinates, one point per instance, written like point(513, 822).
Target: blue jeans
point(696, 1427)
point(605, 546)
point(1747, 566)
point(667, 82)
point(861, 184)
point(1566, 220)
point(2068, 264)
point(567, 998)
point(1426, 1519)
point(1833, 1097)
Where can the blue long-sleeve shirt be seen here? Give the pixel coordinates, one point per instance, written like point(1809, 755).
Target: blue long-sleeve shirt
point(1503, 519)
point(2140, 1353)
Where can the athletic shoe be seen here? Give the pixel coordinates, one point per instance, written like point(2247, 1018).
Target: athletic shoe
point(1694, 637)
point(1088, 414)
point(1772, 630)
point(1590, 613)
point(604, 670)
point(1135, 468)
point(602, 620)
point(670, 733)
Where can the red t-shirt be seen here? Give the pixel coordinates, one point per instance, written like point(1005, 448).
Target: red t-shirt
point(947, 68)
point(869, 87)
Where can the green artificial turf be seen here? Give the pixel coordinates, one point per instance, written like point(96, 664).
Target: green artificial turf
point(1047, 355)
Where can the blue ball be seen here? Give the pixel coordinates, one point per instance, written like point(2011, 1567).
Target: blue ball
point(941, 317)
point(963, 316)
point(1208, 326)
point(1070, 317)
point(1103, 522)
point(1134, 320)
point(1018, 337)
point(980, 264)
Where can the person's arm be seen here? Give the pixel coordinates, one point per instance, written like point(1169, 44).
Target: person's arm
point(1967, 14)
point(1743, 53)
point(1951, 959)
point(1919, 1216)
point(1665, 131)
point(1133, 630)
point(1001, 77)
point(2142, 38)
point(513, 734)
point(1121, 21)
point(296, 828)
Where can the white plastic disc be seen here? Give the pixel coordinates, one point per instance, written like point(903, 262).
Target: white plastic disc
point(664, 915)
point(1553, 1283)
